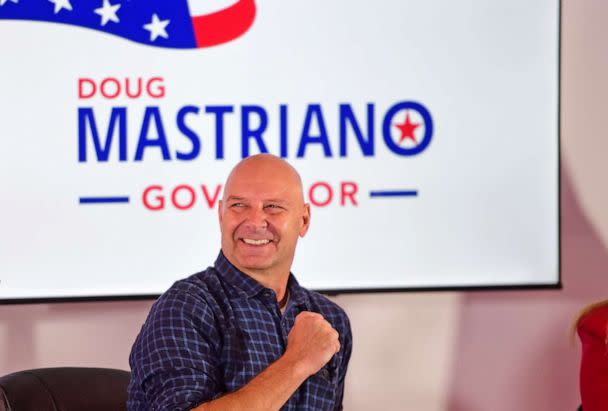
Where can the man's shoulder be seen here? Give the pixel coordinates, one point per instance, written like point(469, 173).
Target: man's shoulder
point(202, 288)
point(200, 282)
point(328, 308)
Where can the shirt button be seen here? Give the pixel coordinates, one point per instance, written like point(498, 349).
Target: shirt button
point(324, 374)
point(269, 296)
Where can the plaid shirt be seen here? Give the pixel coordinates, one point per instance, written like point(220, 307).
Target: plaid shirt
point(211, 333)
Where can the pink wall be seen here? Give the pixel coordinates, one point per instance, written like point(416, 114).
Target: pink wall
point(474, 351)
point(513, 351)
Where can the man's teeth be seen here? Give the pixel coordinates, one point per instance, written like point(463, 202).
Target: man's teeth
point(255, 242)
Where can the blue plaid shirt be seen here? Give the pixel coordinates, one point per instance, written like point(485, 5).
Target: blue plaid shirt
point(211, 333)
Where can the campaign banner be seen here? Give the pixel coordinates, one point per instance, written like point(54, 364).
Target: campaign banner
point(426, 134)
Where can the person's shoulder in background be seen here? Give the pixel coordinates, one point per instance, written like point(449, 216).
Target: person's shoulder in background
point(594, 322)
point(592, 328)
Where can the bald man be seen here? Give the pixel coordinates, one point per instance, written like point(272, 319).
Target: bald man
point(243, 334)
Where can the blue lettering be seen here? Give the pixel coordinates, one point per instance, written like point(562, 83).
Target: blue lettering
point(219, 112)
point(248, 133)
point(314, 111)
point(283, 129)
point(152, 113)
point(353, 131)
point(186, 131)
point(118, 117)
point(347, 116)
point(388, 120)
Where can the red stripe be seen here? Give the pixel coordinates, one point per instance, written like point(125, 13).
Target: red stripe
point(224, 25)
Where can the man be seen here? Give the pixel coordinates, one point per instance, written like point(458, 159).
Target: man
point(243, 335)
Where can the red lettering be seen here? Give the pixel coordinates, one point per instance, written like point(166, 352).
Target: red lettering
point(311, 194)
point(112, 87)
point(185, 196)
point(103, 87)
point(176, 192)
point(211, 200)
point(128, 88)
point(159, 200)
point(90, 88)
point(157, 92)
point(348, 189)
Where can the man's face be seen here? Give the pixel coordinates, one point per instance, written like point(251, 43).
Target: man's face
point(262, 214)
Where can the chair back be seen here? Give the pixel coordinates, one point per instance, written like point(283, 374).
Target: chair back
point(65, 389)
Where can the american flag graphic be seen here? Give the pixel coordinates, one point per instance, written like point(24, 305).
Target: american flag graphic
point(161, 23)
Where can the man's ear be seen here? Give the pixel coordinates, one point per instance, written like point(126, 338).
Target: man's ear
point(219, 211)
point(305, 220)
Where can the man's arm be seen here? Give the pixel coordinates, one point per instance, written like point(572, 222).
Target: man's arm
point(347, 346)
point(175, 360)
point(310, 345)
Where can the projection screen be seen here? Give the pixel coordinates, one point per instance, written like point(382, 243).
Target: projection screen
point(426, 134)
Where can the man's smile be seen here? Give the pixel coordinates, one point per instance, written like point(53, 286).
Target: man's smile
point(252, 241)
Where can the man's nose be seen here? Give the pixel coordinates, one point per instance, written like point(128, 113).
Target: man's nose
point(256, 218)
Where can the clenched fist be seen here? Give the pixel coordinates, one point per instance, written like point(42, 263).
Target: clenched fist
point(312, 342)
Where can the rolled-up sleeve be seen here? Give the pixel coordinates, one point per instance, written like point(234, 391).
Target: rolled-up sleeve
point(174, 360)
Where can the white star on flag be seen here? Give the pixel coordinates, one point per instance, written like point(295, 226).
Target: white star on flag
point(61, 4)
point(157, 28)
point(4, 1)
point(108, 12)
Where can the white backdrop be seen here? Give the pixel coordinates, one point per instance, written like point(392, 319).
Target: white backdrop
point(486, 208)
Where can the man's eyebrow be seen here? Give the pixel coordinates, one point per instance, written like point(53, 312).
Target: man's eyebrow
point(276, 200)
point(267, 200)
point(235, 198)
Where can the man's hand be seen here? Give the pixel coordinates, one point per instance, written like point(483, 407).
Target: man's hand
point(312, 342)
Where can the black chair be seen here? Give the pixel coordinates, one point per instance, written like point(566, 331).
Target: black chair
point(65, 389)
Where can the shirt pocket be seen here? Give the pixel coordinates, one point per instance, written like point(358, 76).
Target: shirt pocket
point(321, 389)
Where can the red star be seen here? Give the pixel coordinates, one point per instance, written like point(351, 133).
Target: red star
point(407, 129)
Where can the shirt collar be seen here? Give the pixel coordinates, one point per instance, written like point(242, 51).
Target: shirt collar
point(248, 287)
point(297, 294)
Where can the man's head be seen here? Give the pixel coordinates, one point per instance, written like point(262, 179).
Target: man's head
point(262, 214)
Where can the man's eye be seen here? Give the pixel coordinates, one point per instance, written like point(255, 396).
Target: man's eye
point(273, 206)
point(237, 205)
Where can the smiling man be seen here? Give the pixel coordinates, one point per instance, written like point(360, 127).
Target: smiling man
point(243, 334)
